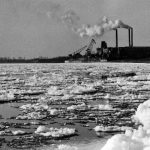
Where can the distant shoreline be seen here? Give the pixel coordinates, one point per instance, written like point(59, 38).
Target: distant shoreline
point(62, 59)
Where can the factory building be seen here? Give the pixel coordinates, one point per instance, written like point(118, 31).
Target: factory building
point(106, 53)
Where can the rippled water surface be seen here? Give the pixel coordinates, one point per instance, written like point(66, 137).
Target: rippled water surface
point(74, 96)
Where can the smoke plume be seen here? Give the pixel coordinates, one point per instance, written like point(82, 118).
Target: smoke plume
point(101, 28)
point(70, 18)
point(95, 31)
point(54, 11)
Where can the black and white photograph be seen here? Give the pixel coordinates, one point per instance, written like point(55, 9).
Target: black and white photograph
point(74, 74)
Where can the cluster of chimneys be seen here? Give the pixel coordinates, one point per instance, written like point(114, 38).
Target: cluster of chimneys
point(130, 35)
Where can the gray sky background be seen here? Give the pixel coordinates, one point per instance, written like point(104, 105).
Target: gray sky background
point(32, 28)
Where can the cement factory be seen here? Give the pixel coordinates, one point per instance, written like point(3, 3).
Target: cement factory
point(105, 53)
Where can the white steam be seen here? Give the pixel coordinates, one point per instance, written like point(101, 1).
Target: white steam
point(99, 29)
point(71, 18)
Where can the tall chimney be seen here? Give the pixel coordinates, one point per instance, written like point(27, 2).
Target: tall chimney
point(129, 35)
point(116, 38)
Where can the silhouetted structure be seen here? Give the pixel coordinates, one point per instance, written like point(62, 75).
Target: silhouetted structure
point(113, 53)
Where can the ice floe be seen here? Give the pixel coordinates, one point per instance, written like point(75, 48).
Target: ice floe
point(75, 107)
point(55, 132)
point(66, 147)
point(103, 107)
point(133, 139)
point(111, 128)
point(143, 114)
point(12, 132)
point(83, 90)
point(31, 115)
point(35, 107)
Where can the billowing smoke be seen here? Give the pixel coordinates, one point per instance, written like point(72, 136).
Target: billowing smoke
point(99, 29)
point(95, 31)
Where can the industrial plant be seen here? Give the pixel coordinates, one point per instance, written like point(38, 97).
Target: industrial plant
point(105, 53)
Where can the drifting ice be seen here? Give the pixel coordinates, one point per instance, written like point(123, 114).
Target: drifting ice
point(143, 114)
point(134, 139)
point(54, 132)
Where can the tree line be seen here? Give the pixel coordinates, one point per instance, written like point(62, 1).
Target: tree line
point(60, 59)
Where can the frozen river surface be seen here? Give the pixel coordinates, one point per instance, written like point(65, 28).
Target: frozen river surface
point(69, 106)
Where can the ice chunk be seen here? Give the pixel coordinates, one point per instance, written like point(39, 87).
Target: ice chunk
point(36, 107)
point(54, 132)
point(41, 129)
point(133, 139)
point(32, 115)
point(75, 107)
point(83, 89)
point(103, 107)
point(55, 91)
point(143, 114)
point(66, 147)
point(53, 111)
point(122, 142)
point(18, 132)
point(110, 128)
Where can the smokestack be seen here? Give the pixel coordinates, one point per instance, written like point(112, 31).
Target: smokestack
point(116, 38)
point(129, 35)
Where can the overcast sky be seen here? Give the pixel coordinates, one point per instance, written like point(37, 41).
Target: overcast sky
point(32, 28)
